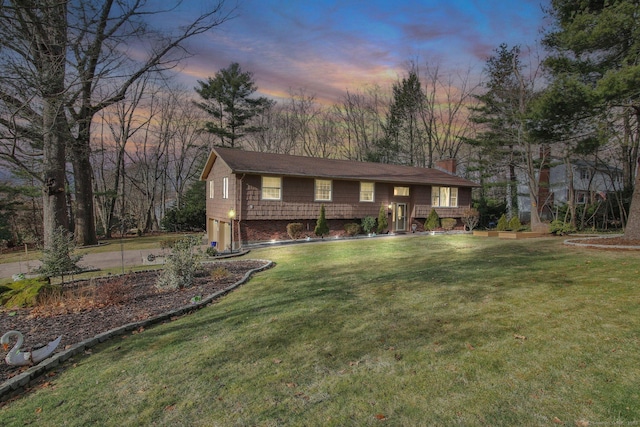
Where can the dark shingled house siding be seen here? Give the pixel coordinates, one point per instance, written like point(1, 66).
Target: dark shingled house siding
point(298, 201)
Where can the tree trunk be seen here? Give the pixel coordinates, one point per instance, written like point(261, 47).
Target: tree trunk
point(85, 230)
point(54, 156)
point(632, 229)
point(50, 44)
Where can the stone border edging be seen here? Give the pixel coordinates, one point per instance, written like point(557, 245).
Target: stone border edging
point(15, 385)
point(576, 242)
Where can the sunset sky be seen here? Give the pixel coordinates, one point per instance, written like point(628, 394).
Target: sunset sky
point(330, 46)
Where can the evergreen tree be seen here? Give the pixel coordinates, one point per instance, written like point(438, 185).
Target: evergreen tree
point(404, 139)
point(383, 223)
point(499, 114)
point(594, 50)
point(515, 224)
point(322, 228)
point(227, 97)
point(191, 213)
point(58, 258)
point(505, 112)
point(503, 224)
point(433, 221)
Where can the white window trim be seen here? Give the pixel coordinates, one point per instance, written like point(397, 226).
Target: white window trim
point(373, 192)
point(315, 191)
point(211, 190)
point(225, 187)
point(262, 188)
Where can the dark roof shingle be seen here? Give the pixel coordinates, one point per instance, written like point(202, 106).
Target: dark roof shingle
point(253, 162)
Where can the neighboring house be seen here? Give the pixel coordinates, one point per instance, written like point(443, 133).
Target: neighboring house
point(589, 182)
point(258, 194)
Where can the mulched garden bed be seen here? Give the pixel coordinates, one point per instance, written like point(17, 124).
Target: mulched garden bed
point(90, 307)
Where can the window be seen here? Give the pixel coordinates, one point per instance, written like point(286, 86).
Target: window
point(366, 191)
point(225, 188)
point(581, 197)
point(446, 197)
point(585, 174)
point(271, 188)
point(400, 191)
point(211, 193)
point(323, 190)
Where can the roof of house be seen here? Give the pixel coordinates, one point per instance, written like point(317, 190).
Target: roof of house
point(252, 162)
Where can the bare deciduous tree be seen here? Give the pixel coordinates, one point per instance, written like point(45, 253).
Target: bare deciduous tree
point(77, 58)
point(361, 115)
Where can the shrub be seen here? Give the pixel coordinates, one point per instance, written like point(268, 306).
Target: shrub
point(383, 223)
point(515, 224)
point(181, 265)
point(27, 293)
point(471, 218)
point(433, 221)
point(448, 223)
point(561, 228)
point(368, 224)
point(113, 292)
point(211, 251)
point(502, 223)
point(168, 243)
point(294, 230)
point(352, 229)
point(59, 259)
point(219, 273)
point(322, 228)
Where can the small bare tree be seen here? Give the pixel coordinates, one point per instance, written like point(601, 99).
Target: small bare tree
point(470, 218)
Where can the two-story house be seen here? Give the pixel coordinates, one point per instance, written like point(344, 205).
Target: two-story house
point(252, 196)
point(586, 181)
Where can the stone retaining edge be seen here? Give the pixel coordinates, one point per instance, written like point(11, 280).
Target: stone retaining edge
point(16, 385)
point(576, 242)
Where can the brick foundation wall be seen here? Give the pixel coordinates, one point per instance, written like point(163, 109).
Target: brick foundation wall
point(264, 231)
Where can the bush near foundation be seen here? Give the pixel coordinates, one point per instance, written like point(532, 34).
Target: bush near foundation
point(352, 229)
point(294, 230)
point(433, 221)
point(448, 223)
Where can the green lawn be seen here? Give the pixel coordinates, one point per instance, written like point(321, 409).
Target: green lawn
point(416, 331)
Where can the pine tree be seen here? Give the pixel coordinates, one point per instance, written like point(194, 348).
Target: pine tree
point(502, 223)
point(58, 258)
point(322, 228)
point(227, 98)
point(433, 220)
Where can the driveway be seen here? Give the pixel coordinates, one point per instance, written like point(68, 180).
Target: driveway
point(125, 259)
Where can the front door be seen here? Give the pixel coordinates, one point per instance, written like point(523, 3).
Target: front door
point(400, 217)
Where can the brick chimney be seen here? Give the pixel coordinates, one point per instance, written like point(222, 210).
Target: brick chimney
point(447, 165)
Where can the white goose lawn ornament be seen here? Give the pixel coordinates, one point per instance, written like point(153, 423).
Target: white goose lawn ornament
point(19, 358)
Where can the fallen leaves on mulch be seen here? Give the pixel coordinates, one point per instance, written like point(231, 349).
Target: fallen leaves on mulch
point(95, 306)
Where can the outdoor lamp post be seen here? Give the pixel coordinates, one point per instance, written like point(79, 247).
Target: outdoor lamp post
point(232, 214)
